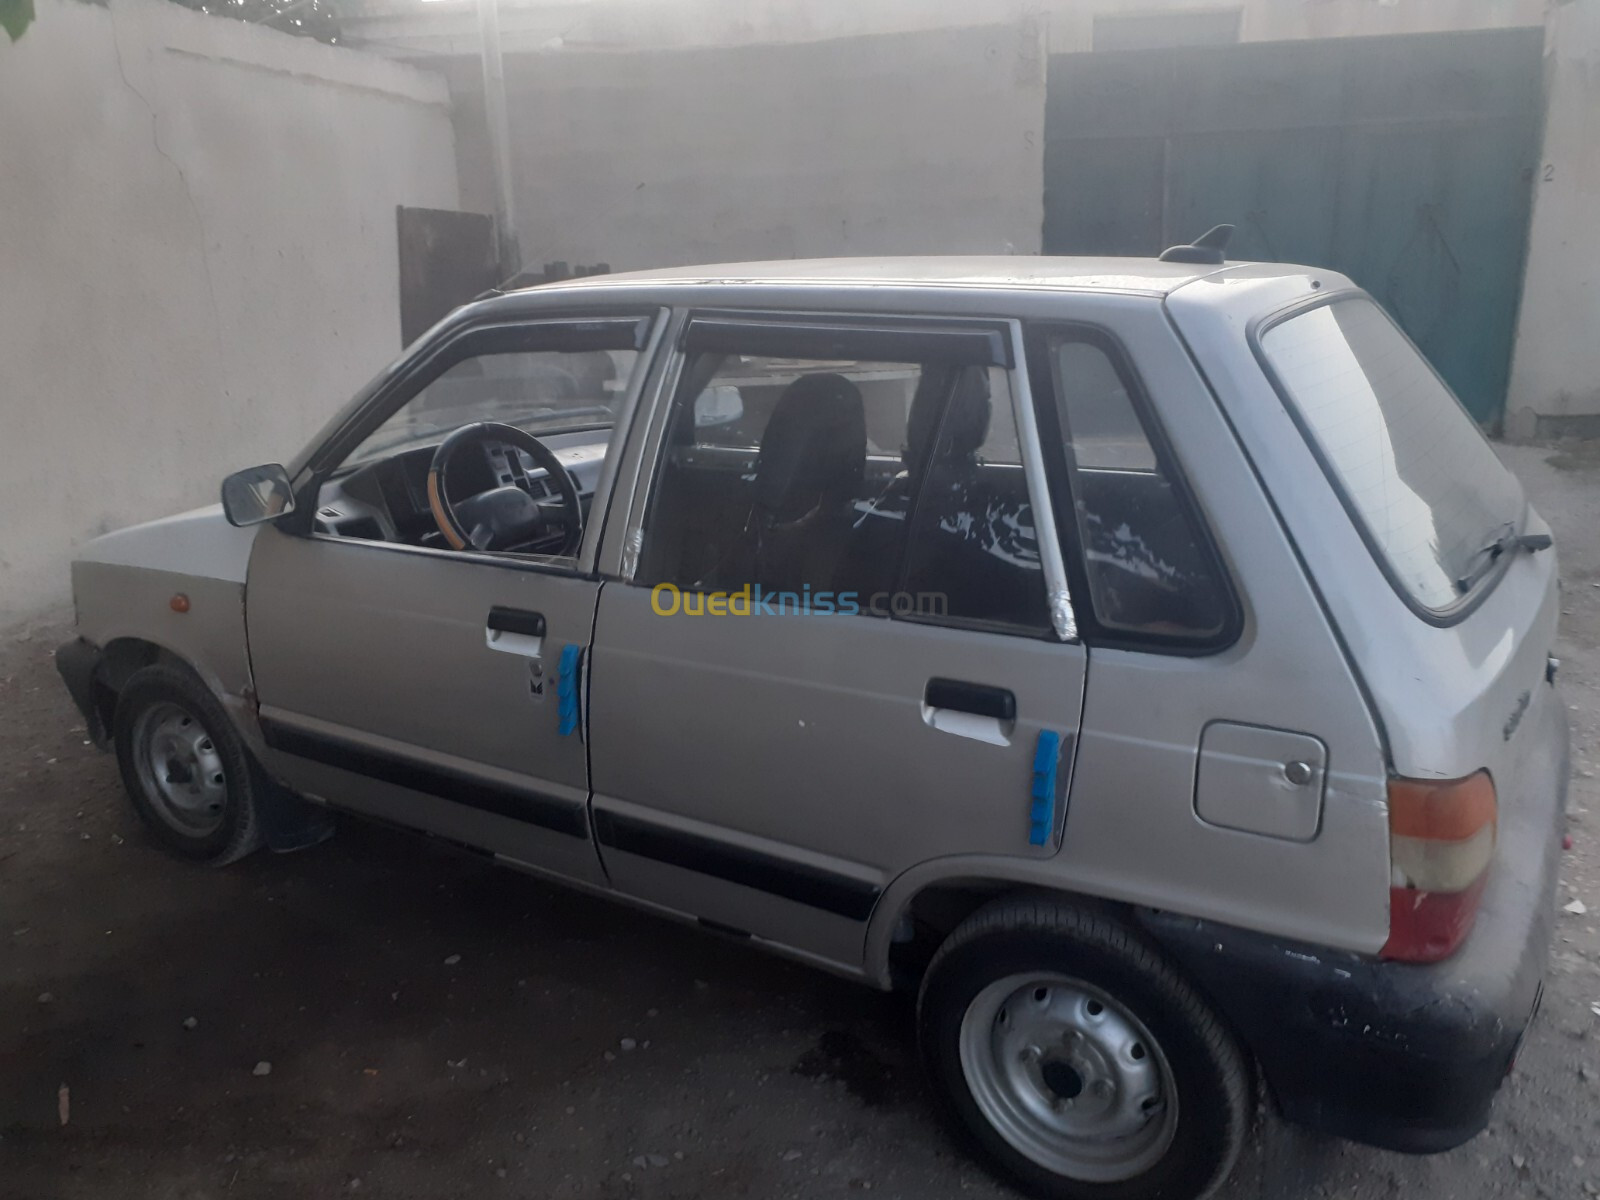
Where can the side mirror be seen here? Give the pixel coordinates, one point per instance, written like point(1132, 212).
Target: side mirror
point(257, 494)
point(720, 405)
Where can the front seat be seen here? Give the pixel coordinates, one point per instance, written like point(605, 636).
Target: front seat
point(946, 423)
point(974, 520)
point(808, 475)
point(965, 425)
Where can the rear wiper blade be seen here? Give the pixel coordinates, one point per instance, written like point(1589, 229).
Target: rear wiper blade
point(1491, 552)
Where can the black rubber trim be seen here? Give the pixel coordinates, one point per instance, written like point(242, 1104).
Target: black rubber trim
point(732, 931)
point(518, 804)
point(811, 886)
point(78, 661)
point(516, 620)
point(1392, 1055)
point(980, 699)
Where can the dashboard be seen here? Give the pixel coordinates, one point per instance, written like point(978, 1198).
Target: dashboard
point(387, 500)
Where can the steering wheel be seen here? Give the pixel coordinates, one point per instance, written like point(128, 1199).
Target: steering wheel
point(502, 517)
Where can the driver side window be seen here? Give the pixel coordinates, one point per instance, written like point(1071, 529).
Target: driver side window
point(559, 389)
point(529, 389)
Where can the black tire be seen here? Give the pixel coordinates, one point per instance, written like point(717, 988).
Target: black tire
point(225, 826)
point(1015, 936)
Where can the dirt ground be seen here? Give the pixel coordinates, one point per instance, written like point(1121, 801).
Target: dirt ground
point(437, 1028)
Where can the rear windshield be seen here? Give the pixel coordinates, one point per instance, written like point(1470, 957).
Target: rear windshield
point(1410, 462)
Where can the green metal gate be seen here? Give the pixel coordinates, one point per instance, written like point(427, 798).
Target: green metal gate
point(1404, 162)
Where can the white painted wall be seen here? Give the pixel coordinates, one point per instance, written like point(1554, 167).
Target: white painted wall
point(197, 259)
point(1555, 370)
point(914, 143)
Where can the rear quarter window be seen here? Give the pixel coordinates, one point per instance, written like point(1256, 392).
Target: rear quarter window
point(1153, 578)
point(1417, 475)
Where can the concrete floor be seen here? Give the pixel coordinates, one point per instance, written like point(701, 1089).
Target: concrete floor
point(576, 1049)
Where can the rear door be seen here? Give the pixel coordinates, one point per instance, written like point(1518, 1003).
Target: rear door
point(837, 655)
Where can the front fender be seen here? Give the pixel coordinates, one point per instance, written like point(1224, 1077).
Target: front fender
point(126, 584)
point(118, 605)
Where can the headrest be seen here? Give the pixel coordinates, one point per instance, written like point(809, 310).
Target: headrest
point(966, 419)
point(814, 451)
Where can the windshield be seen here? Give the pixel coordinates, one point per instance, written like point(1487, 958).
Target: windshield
point(1411, 464)
point(546, 391)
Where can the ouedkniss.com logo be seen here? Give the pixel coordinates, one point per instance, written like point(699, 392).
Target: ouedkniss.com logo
point(752, 600)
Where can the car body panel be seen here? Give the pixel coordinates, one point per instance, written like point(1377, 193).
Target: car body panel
point(1131, 824)
point(123, 584)
point(1398, 1055)
point(1450, 696)
point(199, 543)
point(1007, 273)
point(848, 767)
point(445, 729)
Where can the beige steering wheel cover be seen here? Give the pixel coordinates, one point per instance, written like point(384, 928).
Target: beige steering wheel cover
point(441, 516)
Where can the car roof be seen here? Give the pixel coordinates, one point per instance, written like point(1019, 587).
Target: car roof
point(1147, 276)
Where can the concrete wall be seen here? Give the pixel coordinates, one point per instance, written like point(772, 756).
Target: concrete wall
point(914, 143)
point(450, 26)
point(1555, 370)
point(197, 233)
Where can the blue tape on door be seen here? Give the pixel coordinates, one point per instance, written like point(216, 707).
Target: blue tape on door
point(567, 689)
point(1042, 809)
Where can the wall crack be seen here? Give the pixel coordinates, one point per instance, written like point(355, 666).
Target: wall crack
point(183, 178)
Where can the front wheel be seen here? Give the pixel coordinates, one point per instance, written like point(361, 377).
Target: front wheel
point(184, 767)
point(1079, 1061)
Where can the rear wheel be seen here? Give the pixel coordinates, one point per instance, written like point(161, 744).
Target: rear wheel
point(1079, 1061)
point(184, 767)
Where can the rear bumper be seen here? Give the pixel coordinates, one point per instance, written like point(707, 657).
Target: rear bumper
point(1396, 1055)
point(77, 661)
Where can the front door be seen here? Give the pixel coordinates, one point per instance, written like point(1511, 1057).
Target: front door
point(386, 688)
point(836, 658)
point(433, 686)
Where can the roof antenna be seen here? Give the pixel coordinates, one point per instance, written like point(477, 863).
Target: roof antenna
point(1207, 248)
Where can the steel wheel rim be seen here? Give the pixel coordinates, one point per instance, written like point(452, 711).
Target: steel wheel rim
point(180, 769)
point(1069, 1077)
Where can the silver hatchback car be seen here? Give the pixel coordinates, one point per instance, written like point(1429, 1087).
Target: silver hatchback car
point(1146, 661)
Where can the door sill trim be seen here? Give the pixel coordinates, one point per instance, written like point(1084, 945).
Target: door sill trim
point(515, 803)
point(812, 886)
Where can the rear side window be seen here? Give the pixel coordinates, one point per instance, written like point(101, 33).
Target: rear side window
point(1151, 572)
point(1417, 475)
point(847, 472)
point(771, 465)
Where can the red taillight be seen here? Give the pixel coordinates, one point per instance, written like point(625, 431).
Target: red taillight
point(1441, 841)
